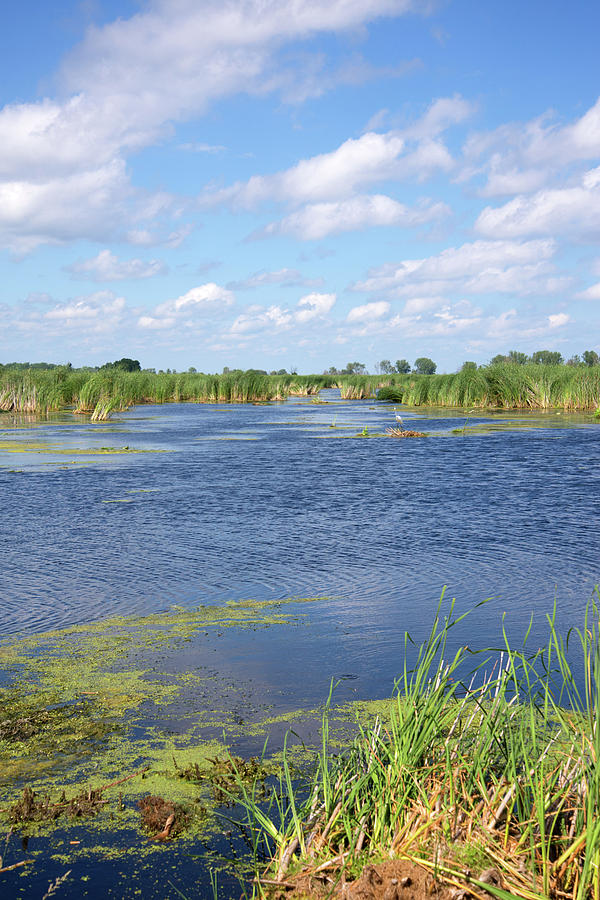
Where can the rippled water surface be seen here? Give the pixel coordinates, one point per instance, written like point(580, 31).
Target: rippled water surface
point(270, 502)
point(286, 501)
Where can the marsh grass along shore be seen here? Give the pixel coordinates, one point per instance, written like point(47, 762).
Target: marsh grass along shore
point(101, 393)
point(496, 773)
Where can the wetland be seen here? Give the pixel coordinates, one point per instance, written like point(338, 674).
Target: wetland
point(184, 582)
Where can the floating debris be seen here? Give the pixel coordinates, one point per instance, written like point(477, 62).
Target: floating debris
point(404, 433)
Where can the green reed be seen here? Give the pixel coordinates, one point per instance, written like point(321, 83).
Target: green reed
point(501, 768)
point(101, 392)
point(505, 386)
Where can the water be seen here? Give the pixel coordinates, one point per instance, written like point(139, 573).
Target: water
point(272, 502)
point(269, 502)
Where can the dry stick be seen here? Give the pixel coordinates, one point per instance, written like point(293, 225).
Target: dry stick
point(321, 840)
point(286, 859)
point(270, 881)
point(361, 835)
point(16, 865)
point(336, 861)
point(121, 780)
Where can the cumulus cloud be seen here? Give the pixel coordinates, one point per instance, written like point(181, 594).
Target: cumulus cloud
point(98, 312)
point(275, 318)
point(415, 152)
point(475, 267)
point(569, 211)
point(368, 312)
point(62, 162)
point(108, 267)
point(283, 277)
point(522, 157)
point(257, 318)
point(591, 293)
point(328, 176)
point(204, 300)
point(319, 220)
point(314, 306)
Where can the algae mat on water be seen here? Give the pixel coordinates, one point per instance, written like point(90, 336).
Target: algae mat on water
point(99, 718)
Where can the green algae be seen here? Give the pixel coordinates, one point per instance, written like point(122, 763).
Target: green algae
point(60, 450)
point(73, 698)
point(108, 707)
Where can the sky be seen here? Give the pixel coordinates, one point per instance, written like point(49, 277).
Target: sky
point(298, 184)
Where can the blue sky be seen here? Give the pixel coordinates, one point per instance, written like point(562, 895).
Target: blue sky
point(298, 184)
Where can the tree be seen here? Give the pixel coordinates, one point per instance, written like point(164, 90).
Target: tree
point(425, 366)
point(591, 358)
point(354, 368)
point(402, 366)
point(468, 366)
point(547, 358)
point(192, 370)
point(386, 367)
point(125, 364)
point(575, 360)
point(520, 359)
point(499, 359)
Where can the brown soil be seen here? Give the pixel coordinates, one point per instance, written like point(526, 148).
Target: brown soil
point(391, 880)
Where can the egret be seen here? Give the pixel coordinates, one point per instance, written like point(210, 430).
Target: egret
point(398, 418)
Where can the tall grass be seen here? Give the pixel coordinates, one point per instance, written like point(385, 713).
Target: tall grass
point(100, 393)
point(502, 768)
point(506, 386)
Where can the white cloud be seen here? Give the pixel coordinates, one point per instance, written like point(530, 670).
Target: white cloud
point(203, 301)
point(415, 152)
point(199, 147)
point(558, 320)
point(157, 324)
point(479, 266)
point(274, 318)
point(260, 319)
point(98, 312)
point(521, 158)
point(441, 114)
point(107, 267)
point(314, 306)
point(319, 220)
point(591, 293)
point(285, 277)
point(204, 297)
point(368, 312)
point(62, 162)
point(328, 176)
point(570, 211)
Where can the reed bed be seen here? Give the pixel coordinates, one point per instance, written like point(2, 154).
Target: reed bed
point(100, 393)
point(498, 771)
point(506, 386)
point(358, 387)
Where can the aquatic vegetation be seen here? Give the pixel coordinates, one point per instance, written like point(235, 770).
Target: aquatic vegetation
point(504, 385)
point(100, 393)
point(357, 387)
point(499, 768)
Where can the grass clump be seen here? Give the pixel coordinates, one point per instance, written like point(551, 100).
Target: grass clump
point(501, 768)
point(504, 386)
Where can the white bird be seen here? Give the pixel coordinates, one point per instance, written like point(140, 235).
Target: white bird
point(398, 418)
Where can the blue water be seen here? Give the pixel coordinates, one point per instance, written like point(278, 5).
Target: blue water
point(271, 502)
